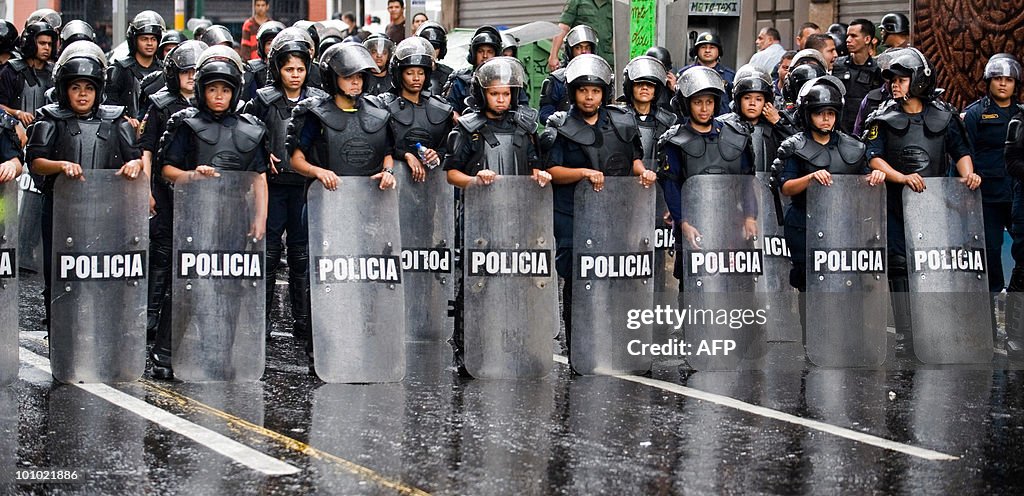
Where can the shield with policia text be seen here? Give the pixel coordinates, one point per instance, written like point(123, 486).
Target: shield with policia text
point(30, 214)
point(510, 289)
point(428, 235)
point(781, 299)
point(219, 320)
point(847, 287)
point(8, 282)
point(949, 299)
point(98, 274)
point(355, 271)
point(613, 276)
point(666, 286)
point(723, 320)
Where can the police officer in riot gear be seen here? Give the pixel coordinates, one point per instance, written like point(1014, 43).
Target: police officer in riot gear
point(485, 45)
point(178, 94)
point(814, 155)
point(24, 81)
point(170, 39)
point(665, 57)
point(1014, 158)
point(125, 86)
point(895, 30)
point(217, 35)
point(77, 134)
point(8, 41)
point(256, 70)
point(76, 30)
point(417, 116)
point(752, 103)
point(702, 145)
point(288, 60)
point(330, 37)
point(154, 81)
point(554, 96)
point(495, 137)
point(643, 86)
point(707, 52)
point(858, 70)
point(380, 48)
point(797, 77)
point(586, 143)
point(909, 138)
point(438, 38)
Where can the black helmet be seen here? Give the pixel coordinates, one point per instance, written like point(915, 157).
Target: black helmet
point(695, 81)
point(49, 16)
point(797, 77)
point(894, 23)
point(589, 69)
point(198, 26)
point(344, 59)
point(218, 63)
point(170, 37)
point(509, 42)
point(145, 22)
point(282, 48)
point(483, 36)
point(910, 62)
point(662, 54)
point(8, 36)
point(76, 30)
point(821, 93)
point(751, 79)
point(330, 36)
point(411, 52)
point(80, 60)
point(808, 56)
point(295, 34)
point(1003, 65)
point(706, 38)
point(380, 44)
point(436, 35)
point(266, 33)
point(181, 58)
point(217, 35)
point(576, 36)
point(498, 71)
point(646, 69)
point(837, 32)
point(33, 31)
point(313, 28)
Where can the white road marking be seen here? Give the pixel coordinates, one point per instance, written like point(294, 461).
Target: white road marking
point(726, 401)
point(217, 442)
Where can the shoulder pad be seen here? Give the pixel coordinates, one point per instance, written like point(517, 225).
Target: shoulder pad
point(937, 116)
point(162, 99)
point(18, 65)
point(55, 111)
point(375, 101)
point(255, 65)
point(790, 145)
point(314, 92)
point(579, 132)
point(472, 121)
point(149, 78)
point(733, 122)
point(678, 135)
point(623, 122)
point(203, 130)
point(526, 118)
point(851, 149)
point(110, 112)
point(465, 74)
point(125, 62)
point(439, 110)
point(373, 118)
point(250, 132)
point(386, 99)
point(557, 119)
point(559, 75)
point(178, 118)
point(268, 95)
point(665, 118)
point(889, 114)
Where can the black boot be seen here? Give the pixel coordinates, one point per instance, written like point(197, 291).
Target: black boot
point(899, 292)
point(298, 292)
point(273, 262)
point(1015, 316)
point(159, 285)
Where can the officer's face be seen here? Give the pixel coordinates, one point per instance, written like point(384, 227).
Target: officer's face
point(266, 46)
point(499, 99)
point(643, 92)
point(381, 59)
point(413, 79)
point(82, 95)
point(702, 109)
point(351, 85)
point(1002, 87)
point(44, 46)
point(218, 96)
point(483, 54)
point(856, 39)
point(751, 105)
point(707, 53)
point(900, 86)
point(589, 98)
point(293, 74)
point(187, 80)
point(582, 48)
point(824, 120)
point(147, 44)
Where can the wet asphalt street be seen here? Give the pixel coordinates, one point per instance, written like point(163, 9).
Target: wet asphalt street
point(790, 429)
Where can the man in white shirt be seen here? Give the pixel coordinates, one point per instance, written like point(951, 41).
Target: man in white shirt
point(769, 49)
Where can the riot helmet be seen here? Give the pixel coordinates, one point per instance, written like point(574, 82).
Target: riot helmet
point(509, 42)
point(808, 56)
point(436, 35)
point(330, 36)
point(751, 79)
point(33, 31)
point(268, 30)
point(707, 38)
point(312, 28)
point(198, 26)
point(1003, 65)
point(412, 52)
point(483, 36)
point(180, 59)
point(145, 22)
point(79, 60)
point(49, 16)
point(8, 36)
point(381, 48)
point(76, 30)
point(797, 77)
point(662, 54)
point(910, 62)
point(344, 59)
point(894, 23)
point(217, 35)
point(644, 69)
point(698, 80)
point(837, 32)
point(818, 94)
point(577, 36)
point(170, 39)
point(218, 63)
point(589, 70)
point(280, 50)
point(498, 72)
